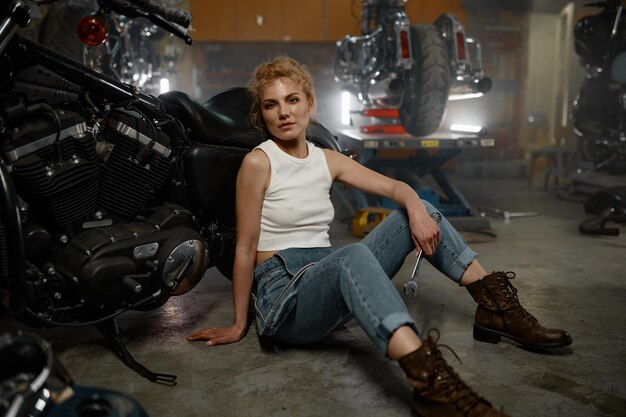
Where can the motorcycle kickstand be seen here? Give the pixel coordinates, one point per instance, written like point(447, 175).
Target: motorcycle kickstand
point(110, 330)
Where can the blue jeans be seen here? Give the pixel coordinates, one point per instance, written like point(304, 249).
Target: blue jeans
point(303, 294)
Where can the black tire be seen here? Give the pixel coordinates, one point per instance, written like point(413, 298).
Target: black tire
point(58, 30)
point(424, 103)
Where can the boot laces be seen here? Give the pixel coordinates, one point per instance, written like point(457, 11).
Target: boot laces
point(448, 383)
point(510, 292)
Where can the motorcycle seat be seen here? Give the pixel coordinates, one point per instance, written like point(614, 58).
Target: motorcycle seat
point(221, 120)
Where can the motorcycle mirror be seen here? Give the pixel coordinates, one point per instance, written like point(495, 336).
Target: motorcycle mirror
point(92, 30)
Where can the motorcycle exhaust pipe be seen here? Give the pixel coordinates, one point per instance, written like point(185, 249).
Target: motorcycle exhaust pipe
point(470, 88)
point(483, 85)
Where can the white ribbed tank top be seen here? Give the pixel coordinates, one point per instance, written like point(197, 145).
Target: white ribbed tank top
point(297, 210)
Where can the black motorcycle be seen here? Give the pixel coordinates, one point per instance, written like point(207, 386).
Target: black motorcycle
point(111, 199)
point(411, 68)
point(599, 111)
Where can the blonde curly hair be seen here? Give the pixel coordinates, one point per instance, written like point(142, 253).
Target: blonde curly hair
point(268, 72)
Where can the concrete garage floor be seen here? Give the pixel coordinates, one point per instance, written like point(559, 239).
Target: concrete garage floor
point(564, 278)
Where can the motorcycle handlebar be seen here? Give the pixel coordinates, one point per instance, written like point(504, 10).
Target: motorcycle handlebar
point(178, 16)
point(18, 16)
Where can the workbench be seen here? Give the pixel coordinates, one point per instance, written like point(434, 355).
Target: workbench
point(409, 158)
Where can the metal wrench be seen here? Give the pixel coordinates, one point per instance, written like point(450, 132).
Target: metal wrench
point(412, 283)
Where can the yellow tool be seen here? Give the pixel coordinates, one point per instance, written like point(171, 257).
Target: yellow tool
point(366, 219)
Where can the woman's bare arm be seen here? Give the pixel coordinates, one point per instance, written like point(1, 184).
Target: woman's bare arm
point(424, 230)
point(252, 182)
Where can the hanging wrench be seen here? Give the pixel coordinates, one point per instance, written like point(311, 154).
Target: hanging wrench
point(412, 283)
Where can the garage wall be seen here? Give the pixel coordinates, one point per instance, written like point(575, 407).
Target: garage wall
point(304, 20)
point(554, 75)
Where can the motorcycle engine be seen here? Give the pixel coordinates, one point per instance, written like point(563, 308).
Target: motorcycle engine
point(137, 165)
point(55, 168)
point(145, 261)
point(98, 233)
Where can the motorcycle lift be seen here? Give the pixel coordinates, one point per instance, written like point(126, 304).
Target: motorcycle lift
point(409, 158)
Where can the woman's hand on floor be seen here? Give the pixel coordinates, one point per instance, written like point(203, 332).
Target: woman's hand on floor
point(218, 336)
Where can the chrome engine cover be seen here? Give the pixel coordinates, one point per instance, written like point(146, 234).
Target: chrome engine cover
point(185, 266)
point(135, 264)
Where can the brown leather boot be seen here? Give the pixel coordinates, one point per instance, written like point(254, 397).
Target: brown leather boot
point(500, 313)
point(437, 389)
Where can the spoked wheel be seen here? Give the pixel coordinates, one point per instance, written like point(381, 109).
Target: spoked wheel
point(424, 103)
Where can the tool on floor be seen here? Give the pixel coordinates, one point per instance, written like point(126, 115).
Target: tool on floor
point(366, 219)
point(411, 284)
point(505, 215)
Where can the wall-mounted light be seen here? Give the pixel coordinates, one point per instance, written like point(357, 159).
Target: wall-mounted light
point(462, 128)
point(164, 85)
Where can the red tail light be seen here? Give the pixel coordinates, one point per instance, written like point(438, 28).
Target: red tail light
point(404, 44)
point(460, 46)
point(92, 30)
